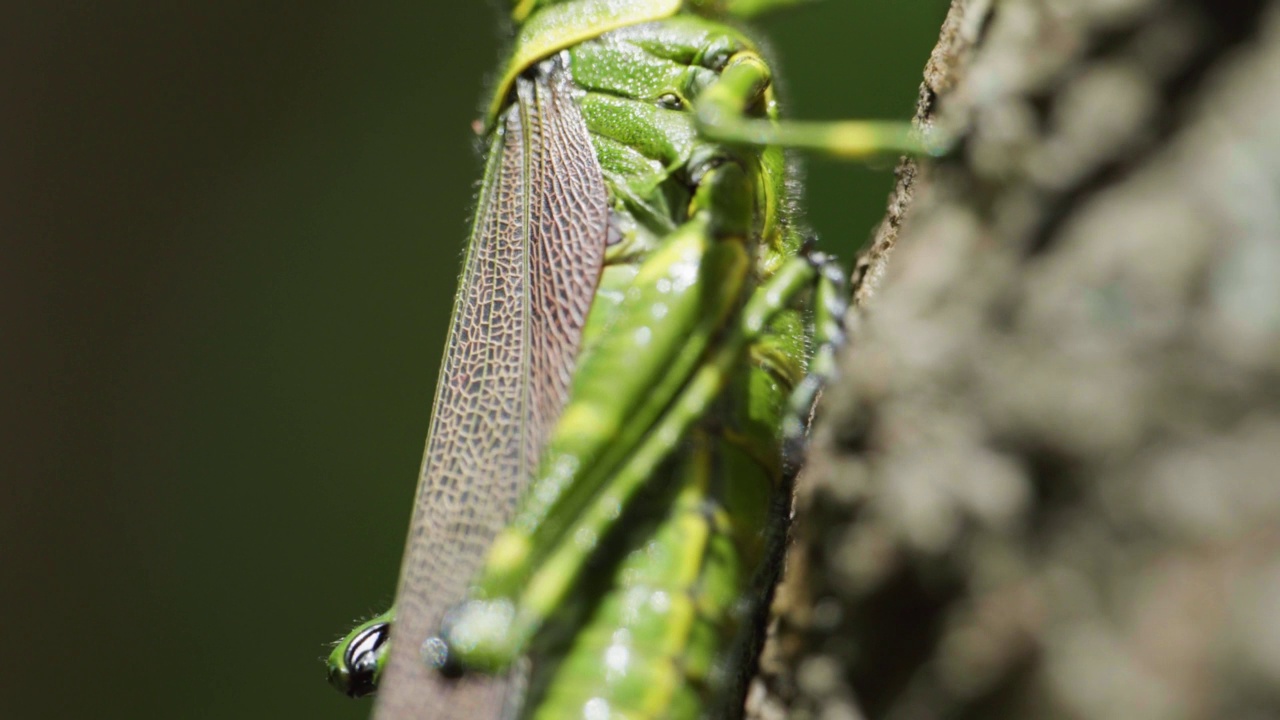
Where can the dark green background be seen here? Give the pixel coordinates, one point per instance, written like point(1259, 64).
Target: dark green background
point(231, 233)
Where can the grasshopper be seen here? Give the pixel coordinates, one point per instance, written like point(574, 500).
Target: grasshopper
point(640, 331)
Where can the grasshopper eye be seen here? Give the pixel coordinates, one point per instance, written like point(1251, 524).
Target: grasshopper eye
point(357, 674)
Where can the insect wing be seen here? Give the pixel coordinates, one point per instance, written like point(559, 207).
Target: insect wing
point(531, 271)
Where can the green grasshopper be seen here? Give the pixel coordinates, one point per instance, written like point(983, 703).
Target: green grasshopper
point(638, 337)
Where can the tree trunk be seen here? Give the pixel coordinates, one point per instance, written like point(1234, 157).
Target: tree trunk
point(1047, 484)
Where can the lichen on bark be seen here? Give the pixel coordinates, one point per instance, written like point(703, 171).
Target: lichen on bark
point(1047, 483)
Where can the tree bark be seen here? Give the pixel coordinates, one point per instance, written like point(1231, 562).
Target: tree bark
point(1047, 484)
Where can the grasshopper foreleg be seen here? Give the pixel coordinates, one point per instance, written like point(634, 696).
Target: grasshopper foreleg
point(726, 112)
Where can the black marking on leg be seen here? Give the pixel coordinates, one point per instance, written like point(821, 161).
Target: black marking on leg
point(829, 335)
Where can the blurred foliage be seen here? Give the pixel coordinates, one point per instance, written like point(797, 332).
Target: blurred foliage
point(234, 234)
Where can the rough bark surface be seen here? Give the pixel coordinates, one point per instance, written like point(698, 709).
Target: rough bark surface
point(1048, 482)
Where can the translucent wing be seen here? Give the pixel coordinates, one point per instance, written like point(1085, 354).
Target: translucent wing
point(531, 271)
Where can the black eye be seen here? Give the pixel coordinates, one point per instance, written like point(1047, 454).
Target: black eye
point(362, 659)
point(670, 101)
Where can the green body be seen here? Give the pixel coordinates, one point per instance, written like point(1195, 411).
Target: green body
point(630, 579)
point(665, 614)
